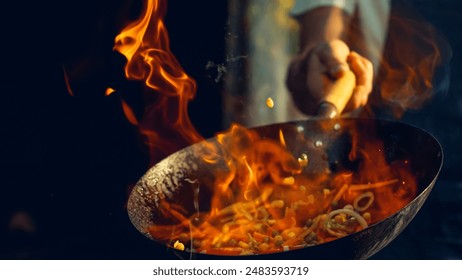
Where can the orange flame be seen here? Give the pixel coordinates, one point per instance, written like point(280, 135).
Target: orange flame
point(109, 91)
point(67, 82)
point(263, 202)
point(145, 44)
point(414, 52)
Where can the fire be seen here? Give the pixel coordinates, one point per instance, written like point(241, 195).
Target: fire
point(145, 44)
point(263, 201)
point(414, 52)
point(109, 91)
point(266, 201)
point(67, 82)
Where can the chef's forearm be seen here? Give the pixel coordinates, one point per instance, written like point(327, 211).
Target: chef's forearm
point(322, 25)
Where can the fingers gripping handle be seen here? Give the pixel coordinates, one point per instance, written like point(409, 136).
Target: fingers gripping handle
point(336, 99)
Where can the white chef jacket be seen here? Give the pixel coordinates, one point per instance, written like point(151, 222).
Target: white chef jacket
point(373, 16)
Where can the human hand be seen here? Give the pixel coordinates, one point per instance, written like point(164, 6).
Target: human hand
point(313, 72)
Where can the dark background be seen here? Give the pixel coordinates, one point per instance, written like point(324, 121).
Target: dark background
point(67, 162)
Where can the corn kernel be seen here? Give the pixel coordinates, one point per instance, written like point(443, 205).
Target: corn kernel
point(269, 102)
point(288, 181)
point(277, 203)
point(178, 245)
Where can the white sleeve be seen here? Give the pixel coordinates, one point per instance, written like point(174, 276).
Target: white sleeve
point(373, 18)
point(303, 6)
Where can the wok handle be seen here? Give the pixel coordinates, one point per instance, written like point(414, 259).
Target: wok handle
point(338, 96)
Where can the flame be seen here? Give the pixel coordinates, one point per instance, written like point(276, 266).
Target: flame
point(145, 44)
point(129, 114)
point(109, 91)
point(264, 202)
point(414, 52)
point(281, 138)
point(67, 82)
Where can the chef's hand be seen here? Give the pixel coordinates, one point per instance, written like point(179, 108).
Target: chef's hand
point(312, 72)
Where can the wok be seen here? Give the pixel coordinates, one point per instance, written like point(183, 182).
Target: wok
point(180, 177)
